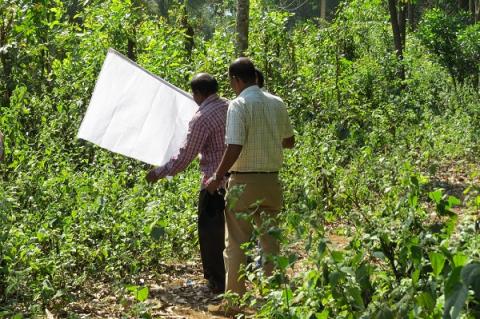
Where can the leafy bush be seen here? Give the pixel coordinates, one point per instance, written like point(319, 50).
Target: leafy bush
point(366, 168)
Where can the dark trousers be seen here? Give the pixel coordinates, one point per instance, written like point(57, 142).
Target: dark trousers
point(211, 233)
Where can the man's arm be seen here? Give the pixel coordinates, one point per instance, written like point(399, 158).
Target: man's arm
point(288, 142)
point(229, 158)
point(197, 135)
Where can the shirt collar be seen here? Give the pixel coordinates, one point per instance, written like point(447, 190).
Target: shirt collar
point(249, 89)
point(208, 100)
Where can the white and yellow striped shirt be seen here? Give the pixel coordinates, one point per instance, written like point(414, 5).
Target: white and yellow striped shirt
point(259, 122)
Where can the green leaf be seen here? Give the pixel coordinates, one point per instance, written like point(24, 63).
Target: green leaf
point(337, 256)
point(321, 248)
point(451, 224)
point(282, 262)
point(438, 261)
point(335, 277)
point(142, 294)
point(455, 300)
point(459, 260)
point(426, 301)
point(132, 288)
point(477, 201)
point(453, 201)
point(436, 196)
point(322, 315)
point(287, 295)
point(413, 201)
point(362, 275)
point(416, 254)
point(471, 277)
point(357, 297)
point(415, 276)
point(384, 313)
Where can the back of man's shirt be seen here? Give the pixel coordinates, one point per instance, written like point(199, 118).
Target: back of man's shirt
point(259, 122)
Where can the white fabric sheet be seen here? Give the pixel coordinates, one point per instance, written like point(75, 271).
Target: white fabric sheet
point(135, 113)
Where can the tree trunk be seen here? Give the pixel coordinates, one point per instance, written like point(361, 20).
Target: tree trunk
point(402, 23)
point(243, 8)
point(463, 4)
point(323, 9)
point(477, 11)
point(397, 34)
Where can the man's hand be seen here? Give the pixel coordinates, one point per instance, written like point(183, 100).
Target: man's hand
point(288, 142)
point(212, 185)
point(152, 176)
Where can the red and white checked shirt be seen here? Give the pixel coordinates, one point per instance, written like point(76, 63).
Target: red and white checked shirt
point(206, 135)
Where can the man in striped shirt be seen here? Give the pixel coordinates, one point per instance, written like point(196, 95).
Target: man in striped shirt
point(206, 135)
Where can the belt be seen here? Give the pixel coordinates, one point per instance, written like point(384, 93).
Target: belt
point(234, 172)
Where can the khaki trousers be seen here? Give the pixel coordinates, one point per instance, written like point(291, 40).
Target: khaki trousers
point(261, 199)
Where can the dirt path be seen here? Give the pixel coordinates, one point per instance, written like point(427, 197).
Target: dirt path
point(180, 292)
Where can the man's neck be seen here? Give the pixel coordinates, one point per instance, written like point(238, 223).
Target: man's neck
point(245, 86)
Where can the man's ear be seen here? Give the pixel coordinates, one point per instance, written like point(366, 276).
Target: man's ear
point(237, 81)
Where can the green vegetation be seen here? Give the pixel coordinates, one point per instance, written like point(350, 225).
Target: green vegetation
point(390, 165)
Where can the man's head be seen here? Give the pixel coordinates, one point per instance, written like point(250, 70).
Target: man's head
point(259, 78)
point(203, 85)
point(242, 74)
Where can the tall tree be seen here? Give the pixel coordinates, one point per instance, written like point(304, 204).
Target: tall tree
point(323, 9)
point(397, 19)
point(7, 17)
point(475, 6)
point(463, 4)
point(243, 8)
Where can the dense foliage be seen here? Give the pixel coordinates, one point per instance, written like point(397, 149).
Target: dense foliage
point(377, 161)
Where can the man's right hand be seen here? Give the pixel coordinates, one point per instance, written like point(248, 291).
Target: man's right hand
point(152, 176)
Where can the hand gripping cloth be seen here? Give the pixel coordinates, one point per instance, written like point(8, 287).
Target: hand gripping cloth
point(135, 113)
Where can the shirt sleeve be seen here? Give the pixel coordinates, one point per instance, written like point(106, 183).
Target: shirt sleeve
point(235, 128)
point(196, 137)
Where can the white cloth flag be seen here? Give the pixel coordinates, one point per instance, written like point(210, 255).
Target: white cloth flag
point(135, 113)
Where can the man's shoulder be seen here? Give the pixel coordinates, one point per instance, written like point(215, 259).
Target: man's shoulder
point(216, 102)
point(216, 108)
point(238, 101)
point(273, 96)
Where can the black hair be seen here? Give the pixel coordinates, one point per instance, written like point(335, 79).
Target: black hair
point(260, 78)
point(243, 69)
point(205, 84)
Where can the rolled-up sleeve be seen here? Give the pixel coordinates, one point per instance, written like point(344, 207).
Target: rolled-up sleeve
point(235, 129)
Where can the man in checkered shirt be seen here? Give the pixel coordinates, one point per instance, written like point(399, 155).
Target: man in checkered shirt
point(257, 131)
point(206, 135)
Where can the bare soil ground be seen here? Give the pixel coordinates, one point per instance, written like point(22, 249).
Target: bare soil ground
point(180, 293)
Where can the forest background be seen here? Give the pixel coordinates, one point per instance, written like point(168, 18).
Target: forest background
point(384, 97)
